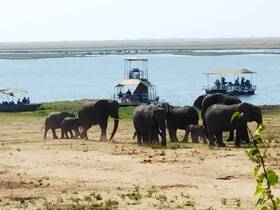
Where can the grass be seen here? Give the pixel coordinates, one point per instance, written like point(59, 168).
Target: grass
point(70, 106)
point(73, 106)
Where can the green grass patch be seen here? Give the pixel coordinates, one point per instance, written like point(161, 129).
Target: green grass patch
point(126, 112)
point(69, 106)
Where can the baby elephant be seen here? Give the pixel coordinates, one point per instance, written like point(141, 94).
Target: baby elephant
point(69, 124)
point(196, 132)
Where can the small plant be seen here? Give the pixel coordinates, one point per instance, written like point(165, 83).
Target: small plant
point(152, 191)
point(135, 194)
point(265, 177)
point(224, 201)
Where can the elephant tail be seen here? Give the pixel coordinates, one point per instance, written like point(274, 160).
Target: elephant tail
point(134, 135)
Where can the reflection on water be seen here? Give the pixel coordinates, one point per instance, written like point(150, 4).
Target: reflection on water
point(179, 79)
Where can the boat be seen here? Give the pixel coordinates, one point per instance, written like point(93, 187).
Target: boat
point(244, 87)
point(22, 105)
point(135, 88)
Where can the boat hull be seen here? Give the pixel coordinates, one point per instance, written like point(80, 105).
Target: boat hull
point(235, 93)
point(19, 107)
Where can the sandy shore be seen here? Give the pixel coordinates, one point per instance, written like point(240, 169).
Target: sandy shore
point(193, 177)
point(191, 44)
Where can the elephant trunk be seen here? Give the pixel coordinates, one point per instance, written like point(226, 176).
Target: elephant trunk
point(116, 124)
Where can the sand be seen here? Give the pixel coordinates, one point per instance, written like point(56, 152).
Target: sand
point(195, 177)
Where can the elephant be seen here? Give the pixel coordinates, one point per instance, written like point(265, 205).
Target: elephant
point(198, 102)
point(53, 121)
point(149, 123)
point(179, 118)
point(219, 98)
point(97, 113)
point(69, 124)
point(197, 131)
point(218, 119)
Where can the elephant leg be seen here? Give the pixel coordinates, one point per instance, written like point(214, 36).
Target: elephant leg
point(155, 136)
point(54, 134)
point(103, 127)
point(172, 135)
point(84, 132)
point(139, 137)
point(211, 139)
point(204, 137)
point(163, 141)
point(239, 132)
point(137, 133)
point(219, 136)
point(186, 137)
point(146, 138)
point(231, 135)
point(66, 133)
point(244, 134)
point(45, 133)
point(194, 138)
point(71, 133)
point(62, 133)
point(237, 139)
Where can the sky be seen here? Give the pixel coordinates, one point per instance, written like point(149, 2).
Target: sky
point(81, 20)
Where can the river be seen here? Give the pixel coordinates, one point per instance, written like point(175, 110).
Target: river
point(178, 78)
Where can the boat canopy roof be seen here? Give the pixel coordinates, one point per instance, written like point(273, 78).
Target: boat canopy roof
point(134, 58)
point(230, 71)
point(135, 82)
point(11, 91)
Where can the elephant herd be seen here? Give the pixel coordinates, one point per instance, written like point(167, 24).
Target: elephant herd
point(152, 121)
point(92, 113)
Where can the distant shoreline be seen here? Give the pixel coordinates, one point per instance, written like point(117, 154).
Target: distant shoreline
point(38, 50)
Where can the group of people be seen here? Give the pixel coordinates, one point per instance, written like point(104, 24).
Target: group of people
point(125, 96)
point(243, 83)
point(23, 101)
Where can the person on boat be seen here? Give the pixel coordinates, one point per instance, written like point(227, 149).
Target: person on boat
point(28, 100)
point(248, 84)
point(242, 81)
point(236, 81)
point(218, 84)
point(128, 93)
point(18, 101)
point(223, 80)
point(120, 94)
point(24, 100)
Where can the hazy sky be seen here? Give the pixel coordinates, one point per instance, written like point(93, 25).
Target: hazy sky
point(51, 20)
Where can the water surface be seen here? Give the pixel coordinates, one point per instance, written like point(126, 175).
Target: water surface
point(179, 79)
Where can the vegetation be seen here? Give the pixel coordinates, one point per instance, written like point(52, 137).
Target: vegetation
point(266, 177)
point(70, 106)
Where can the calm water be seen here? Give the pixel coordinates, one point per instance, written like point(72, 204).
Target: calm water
point(179, 79)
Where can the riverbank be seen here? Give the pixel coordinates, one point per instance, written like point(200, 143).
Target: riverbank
point(196, 47)
point(63, 174)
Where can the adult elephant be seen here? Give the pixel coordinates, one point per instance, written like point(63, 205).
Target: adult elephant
point(97, 113)
point(218, 119)
point(149, 123)
point(179, 118)
point(219, 98)
point(198, 102)
point(53, 121)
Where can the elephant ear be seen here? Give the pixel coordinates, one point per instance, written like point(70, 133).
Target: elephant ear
point(113, 109)
point(159, 113)
point(102, 106)
point(246, 109)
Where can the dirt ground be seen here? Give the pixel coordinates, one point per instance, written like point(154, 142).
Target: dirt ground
point(42, 174)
